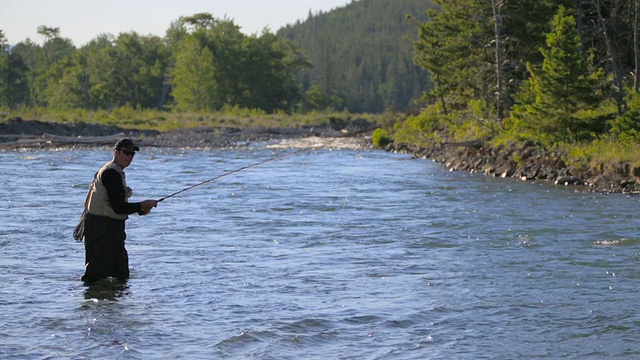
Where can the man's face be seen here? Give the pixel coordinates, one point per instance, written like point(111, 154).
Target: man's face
point(123, 157)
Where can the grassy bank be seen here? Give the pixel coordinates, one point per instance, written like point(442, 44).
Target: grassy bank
point(431, 127)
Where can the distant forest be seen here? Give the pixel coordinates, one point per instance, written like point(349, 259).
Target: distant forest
point(362, 55)
point(357, 58)
point(202, 64)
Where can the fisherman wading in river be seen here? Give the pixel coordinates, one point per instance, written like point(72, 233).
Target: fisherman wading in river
point(106, 209)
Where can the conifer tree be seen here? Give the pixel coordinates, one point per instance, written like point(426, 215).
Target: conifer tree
point(4, 70)
point(555, 92)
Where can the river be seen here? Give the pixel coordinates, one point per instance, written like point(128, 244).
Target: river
point(327, 254)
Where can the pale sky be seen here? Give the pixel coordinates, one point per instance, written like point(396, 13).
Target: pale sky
point(83, 20)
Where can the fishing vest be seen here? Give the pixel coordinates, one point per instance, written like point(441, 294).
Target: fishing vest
point(98, 199)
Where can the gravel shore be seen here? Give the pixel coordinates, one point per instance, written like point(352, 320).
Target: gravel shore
point(33, 134)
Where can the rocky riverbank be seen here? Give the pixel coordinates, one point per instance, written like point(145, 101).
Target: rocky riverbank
point(33, 134)
point(524, 161)
point(528, 162)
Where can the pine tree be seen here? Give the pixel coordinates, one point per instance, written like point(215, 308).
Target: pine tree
point(4, 70)
point(555, 92)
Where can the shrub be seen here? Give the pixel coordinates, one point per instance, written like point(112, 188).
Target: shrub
point(381, 138)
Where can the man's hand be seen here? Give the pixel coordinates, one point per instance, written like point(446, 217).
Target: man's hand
point(147, 205)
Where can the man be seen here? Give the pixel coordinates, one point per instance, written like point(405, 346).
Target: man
point(106, 210)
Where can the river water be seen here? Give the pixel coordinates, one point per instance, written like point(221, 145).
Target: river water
point(327, 254)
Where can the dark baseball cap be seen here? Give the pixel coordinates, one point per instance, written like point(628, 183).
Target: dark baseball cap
point(126, 143)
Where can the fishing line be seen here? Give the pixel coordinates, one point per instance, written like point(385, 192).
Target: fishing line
point(235, 171)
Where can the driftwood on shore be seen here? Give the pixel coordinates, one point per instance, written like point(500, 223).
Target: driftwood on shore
point(49, 140)
point(471, 144)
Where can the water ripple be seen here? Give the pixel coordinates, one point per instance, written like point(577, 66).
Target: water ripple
point(334, 254)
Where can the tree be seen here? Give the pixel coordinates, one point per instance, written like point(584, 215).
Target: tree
point(194, 84)
point(49, 33)
point(28, 51)
point(609, 33)
point(102, 68)
point(636, 46)
point(269, 77)
point(4, 70)
point(142, 63)
point(111, 72)
point(556, 91)
point(50, 61)
point(497, 24)
point(451, 46)
point(217, 65)
point(199, 21)
point(71, 91)
point(433, 54)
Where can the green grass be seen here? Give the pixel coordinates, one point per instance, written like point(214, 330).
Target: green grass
point(431, 127)
point(234, 117)
point(604, 151)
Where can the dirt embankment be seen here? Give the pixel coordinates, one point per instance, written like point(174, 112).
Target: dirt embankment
point(527, 161)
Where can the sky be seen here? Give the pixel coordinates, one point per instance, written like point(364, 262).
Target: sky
point(83, 20)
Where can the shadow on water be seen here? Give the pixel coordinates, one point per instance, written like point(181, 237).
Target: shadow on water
point(107, 289)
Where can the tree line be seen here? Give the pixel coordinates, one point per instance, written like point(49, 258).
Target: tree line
point(555, 71)
point(202, 64)
point(356, 58)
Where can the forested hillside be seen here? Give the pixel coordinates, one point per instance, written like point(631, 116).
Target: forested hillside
point(362, 55)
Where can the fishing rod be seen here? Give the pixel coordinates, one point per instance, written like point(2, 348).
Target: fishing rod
point(234, 171)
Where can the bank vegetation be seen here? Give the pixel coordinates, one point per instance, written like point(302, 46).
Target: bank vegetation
point(561, 75)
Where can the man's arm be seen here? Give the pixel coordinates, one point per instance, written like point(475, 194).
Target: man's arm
point(113, 182)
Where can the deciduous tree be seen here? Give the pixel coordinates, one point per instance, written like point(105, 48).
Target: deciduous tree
point(194, 77)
